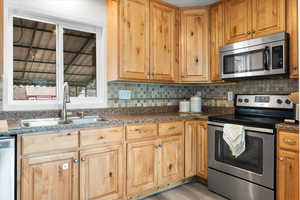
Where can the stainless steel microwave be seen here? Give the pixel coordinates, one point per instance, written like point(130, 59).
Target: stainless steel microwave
point(257, 57)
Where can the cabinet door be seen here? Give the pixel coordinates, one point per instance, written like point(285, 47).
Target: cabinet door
point(50, 177)
point(134, 39)
point(190, 140)
point(202, 150)
point(162, 37)
point(141, 166)
point(171, 165)
point(237, 20)
point(101, 173)
point(268, 16)
point(195, 45)
point(216, 39)
point(288, 176)
point(292, 29)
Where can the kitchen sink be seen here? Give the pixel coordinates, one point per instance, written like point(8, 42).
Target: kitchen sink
point(42, 122)
point(88, 120)
point(56, 121)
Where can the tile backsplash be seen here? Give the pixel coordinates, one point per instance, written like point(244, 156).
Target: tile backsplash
point(152, 94)
point(148, 94)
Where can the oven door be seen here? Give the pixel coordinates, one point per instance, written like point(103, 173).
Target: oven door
point(256, 164)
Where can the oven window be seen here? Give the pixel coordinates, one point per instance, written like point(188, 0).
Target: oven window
point(244, 62)
point(250, 160)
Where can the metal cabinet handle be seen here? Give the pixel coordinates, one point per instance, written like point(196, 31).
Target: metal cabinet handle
point(197, 60)
point(101, 137)
point(75, 161)
point(83, 159)
point(253, 31)
point(170, 166)
point(160, 145)
point(248, 32)
point(110, 174)
point(289, 141)
point(281, 159)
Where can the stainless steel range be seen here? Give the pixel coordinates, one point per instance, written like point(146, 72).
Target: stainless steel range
point(250, 176)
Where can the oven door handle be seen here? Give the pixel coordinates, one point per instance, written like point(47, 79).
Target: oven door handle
point(247, 128)
point(266, 58)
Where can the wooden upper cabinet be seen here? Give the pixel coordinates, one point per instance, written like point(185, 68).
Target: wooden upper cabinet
point(268, 16)
point(216, 39)
point(50, 177)
point(171, 166)
point(288, 175)
point(237, 20)
point(246, 19)
point(163, 41)
point(195, 45)
point(134, 39)
point(292, 29)
point(142, 160)
point(101, 173)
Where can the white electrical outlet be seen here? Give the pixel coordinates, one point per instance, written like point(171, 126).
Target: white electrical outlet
point(230, 96)
point(124, 94)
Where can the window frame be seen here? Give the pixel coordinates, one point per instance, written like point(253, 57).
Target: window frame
point(76, 102)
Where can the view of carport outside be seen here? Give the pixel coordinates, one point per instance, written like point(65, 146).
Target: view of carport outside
point(35, 60)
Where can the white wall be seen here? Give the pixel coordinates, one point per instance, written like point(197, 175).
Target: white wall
point(86, 11)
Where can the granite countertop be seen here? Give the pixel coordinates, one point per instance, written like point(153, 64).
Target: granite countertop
point(288, 127)
point(15, 127)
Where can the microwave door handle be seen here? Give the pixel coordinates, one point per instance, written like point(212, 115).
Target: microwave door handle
point(266, 58)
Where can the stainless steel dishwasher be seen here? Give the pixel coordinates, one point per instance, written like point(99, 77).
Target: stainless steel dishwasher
point(7, 168)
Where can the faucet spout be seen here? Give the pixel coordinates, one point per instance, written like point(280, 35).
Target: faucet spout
point(66, 99)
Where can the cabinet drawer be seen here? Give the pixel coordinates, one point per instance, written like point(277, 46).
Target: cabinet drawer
point(141, 131)
point(171, 128)
point(49, 142)
point(289, 141)
point(101, 136)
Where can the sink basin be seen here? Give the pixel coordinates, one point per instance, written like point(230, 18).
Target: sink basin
point(42, 122)
point(56, 121)
point(88, 120)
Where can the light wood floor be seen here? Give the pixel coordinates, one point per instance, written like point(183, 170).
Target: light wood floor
point(191, 191)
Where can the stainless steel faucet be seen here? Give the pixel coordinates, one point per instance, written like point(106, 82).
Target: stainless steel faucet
point(64, 114)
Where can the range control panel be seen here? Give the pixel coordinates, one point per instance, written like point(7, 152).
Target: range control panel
point(264, 101)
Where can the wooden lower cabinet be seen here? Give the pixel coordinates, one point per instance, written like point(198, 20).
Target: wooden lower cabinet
point(288, 175)
point(196, 149)
point(202, 149)
point(154, 162)
point(50, 177)
point(171, 162)
point(101, 173)
point(142, 160)
point(287, 166)
point(190, 140)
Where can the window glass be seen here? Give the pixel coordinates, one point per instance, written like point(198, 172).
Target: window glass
point(80, 63)
point(34, 60)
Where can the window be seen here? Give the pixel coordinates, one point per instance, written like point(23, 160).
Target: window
point(44, 52)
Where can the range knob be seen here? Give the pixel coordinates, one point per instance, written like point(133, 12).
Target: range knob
point(288, 101)
point(279, 101)
point(240, 100)
point(246, 100)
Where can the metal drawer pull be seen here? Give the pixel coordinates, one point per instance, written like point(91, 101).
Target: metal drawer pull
point(82, 159)
point(140, 131)
point(289, 141)
point(75, 161)
point(101, 137)
point(172, 128)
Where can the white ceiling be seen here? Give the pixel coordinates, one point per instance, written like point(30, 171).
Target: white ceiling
point(188, 3)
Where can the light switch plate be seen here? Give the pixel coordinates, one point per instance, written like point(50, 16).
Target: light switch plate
point(125, 94)
point(230, 96)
